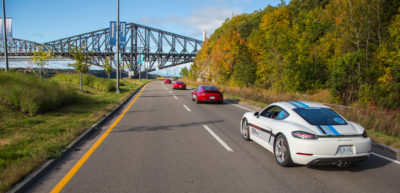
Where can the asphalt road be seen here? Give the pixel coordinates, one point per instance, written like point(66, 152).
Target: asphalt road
point(164, 144)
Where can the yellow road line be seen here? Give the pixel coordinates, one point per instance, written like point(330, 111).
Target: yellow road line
point(79, 164)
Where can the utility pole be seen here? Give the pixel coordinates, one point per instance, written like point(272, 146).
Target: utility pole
point(5, 36)
point(140, 68)
point(140, 65)
point(117, 89)
point(147, 70)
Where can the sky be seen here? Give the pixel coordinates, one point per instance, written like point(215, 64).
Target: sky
point(47, 20)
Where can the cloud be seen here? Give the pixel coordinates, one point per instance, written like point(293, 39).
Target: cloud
point(207, 18)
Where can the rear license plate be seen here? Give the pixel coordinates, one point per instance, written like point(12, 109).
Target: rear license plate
point(180, 86)
point(345, 150)
point(212, 97)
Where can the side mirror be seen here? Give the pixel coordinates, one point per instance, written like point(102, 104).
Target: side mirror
point(256, 114)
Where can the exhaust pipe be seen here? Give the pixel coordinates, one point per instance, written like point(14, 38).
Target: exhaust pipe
point(343, 164)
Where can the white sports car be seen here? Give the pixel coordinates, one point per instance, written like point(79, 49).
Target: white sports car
point(306, 133)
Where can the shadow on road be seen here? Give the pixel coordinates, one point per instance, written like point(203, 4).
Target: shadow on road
point(372, 163)
point(162, 127)
point(232, 101)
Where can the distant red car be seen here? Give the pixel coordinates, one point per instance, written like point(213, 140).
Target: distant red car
point(167, 81)
point(207, 93)
point(179, 85)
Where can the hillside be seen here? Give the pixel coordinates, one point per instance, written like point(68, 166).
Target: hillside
point(351, 48)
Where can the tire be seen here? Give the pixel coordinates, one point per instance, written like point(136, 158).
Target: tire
point(282, 151)
point(245, 130)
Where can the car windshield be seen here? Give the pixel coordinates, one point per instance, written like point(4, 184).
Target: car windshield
point(320, 116)
point(210, 88)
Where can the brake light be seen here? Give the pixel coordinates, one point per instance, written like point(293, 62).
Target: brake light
point(303, 135)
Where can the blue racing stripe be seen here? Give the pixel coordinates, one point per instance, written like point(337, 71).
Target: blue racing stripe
point(320, 130)
point(334, 131)
point(327, 130)
point(302, 104)
point(290, 102)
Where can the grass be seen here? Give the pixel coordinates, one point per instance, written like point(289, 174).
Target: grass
point(382, 126)
point(28, 141)
point(29, 94)
point(101, 84)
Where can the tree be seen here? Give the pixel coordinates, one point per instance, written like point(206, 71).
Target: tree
point(122, 68)
point(184, 72)
point(81, 64)
point(244, 70)
point(389, 58)
point(344, 77)
point(40, 58)
point(279, 41)
point(107, 66)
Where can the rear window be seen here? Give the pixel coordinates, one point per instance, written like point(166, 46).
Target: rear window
point(320, 116)
point(210, 88)
point(179, 82)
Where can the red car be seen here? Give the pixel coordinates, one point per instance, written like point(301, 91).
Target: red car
point(207, 93)
point(179, 85)
point(167, 81)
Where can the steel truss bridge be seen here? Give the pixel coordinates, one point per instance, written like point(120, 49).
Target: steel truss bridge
point(145, 47)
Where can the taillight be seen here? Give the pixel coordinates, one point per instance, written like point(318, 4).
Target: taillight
point(365, 134)
point(303, 135)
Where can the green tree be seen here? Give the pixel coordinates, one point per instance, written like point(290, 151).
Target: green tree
point(40, 58)
point(344, 77)
point(81, 64)
point(184, 72)
point(389, 59)
point(107, 66)
point(122, 68)
point(244, 71)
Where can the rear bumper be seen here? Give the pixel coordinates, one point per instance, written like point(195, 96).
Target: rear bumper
point(324, 150)
point(180, 88)
point(337, 161)
point(213, 101)
point(217, 99)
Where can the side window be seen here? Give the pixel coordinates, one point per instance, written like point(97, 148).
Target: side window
point(282, 115)
point(275, 112)
point(198, 88)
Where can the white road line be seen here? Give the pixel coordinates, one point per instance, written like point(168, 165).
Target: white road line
point(170, 92)
point(218, 139)
point(187, 108)
point(238, 106)
point(175, 97)
point(386, 158)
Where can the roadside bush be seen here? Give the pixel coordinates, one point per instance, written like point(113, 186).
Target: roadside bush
point(33, 95)
point(101, 84)
point(383, 121)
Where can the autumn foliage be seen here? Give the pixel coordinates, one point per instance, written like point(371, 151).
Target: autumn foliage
point(349, 47)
